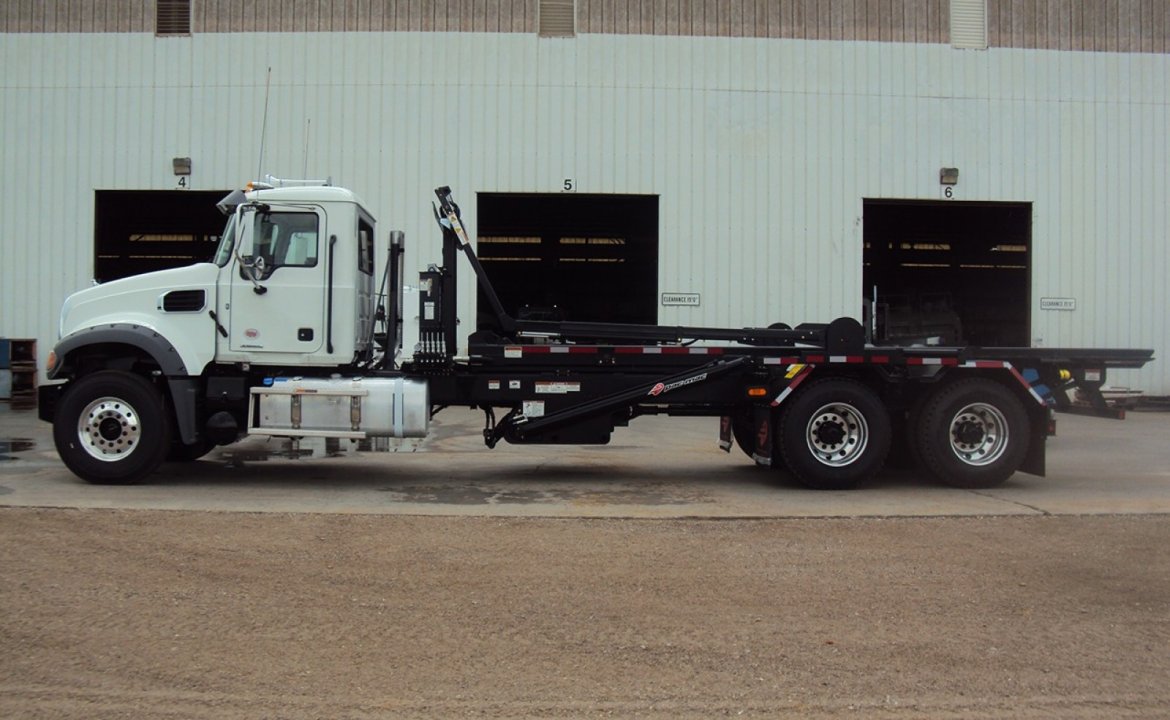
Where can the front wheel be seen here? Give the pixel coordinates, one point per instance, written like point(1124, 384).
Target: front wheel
point(110, 428)
point(834, 434)
point(972, 434)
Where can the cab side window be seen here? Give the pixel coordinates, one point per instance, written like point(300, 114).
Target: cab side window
point(365, 248)
point(286, 239)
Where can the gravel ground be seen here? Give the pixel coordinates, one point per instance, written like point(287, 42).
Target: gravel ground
point(144, 614)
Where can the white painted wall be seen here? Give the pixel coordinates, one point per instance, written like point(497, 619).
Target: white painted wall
point(761, 152)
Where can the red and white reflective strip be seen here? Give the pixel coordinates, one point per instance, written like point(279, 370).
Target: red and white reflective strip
point(782, 361)
point(515, 351)
point(987, 364)
point(1005, 365)
point(797, 380)
point(946, 361)
point(666, 350)
point(836, 359)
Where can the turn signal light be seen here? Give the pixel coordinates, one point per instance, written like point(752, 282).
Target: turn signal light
point(51, 363)
point(757, 391)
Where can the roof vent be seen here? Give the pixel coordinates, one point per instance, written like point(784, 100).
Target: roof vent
point(172, 17)
point(557, 18)
point(969, 24)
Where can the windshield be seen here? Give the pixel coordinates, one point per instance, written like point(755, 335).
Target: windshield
point(223, 253)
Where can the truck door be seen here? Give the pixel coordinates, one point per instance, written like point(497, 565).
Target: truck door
point(278, 282)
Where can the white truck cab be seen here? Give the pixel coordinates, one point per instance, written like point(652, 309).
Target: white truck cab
point(173, 358)
point(291, 283)
point(296, 279)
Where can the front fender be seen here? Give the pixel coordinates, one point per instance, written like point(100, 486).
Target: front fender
point(183, 388)
point(164, 353)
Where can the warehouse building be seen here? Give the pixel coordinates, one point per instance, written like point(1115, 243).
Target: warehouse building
point(990, 172)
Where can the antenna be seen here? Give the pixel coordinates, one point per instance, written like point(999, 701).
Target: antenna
point(264, 124)
point(305, 170)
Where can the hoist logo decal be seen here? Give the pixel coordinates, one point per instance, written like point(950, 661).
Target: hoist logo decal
point(660, 388)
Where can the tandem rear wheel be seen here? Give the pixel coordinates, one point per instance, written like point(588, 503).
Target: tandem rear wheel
point(972, 433)
point(834, 434)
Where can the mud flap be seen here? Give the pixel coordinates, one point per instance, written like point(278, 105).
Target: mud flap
point(762, 422)
point(184, 394)
point(1034, 461)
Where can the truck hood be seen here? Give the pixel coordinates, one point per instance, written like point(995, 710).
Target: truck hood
point(140, 298)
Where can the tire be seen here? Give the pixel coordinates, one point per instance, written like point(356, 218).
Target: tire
point(834, 434)
point(111, 428)
point(972, 434)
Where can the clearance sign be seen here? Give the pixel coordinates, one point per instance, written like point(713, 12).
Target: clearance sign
point(691, 299)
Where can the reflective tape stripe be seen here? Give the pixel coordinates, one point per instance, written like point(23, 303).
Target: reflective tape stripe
point(932, 361)
point(1005, 365)
point(801, 375)
point(1025, 383)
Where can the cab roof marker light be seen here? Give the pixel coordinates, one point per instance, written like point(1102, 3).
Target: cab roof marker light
point(271, 181)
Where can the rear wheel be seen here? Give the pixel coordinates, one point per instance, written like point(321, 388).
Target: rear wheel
point(111, 428)
point(972, 434)
point(834, 434)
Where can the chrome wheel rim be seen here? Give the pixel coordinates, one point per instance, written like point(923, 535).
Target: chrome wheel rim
point(109, 429)
point(837, 434)
point(979, 434)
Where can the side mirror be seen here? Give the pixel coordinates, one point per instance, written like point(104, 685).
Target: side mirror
point(252, 267)
point(231, 201)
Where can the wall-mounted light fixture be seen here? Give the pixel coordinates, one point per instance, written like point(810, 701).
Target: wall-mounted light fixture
point(182, 165)
point(948, 176)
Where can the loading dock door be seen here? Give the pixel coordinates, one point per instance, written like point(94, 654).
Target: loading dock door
point(137, 231)
point(949, 273)
point(570, 256)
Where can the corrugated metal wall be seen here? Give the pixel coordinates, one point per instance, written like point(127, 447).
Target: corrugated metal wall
point(1090, 25)
point(761, 152)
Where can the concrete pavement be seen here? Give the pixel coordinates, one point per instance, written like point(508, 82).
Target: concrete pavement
point(658, 467)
